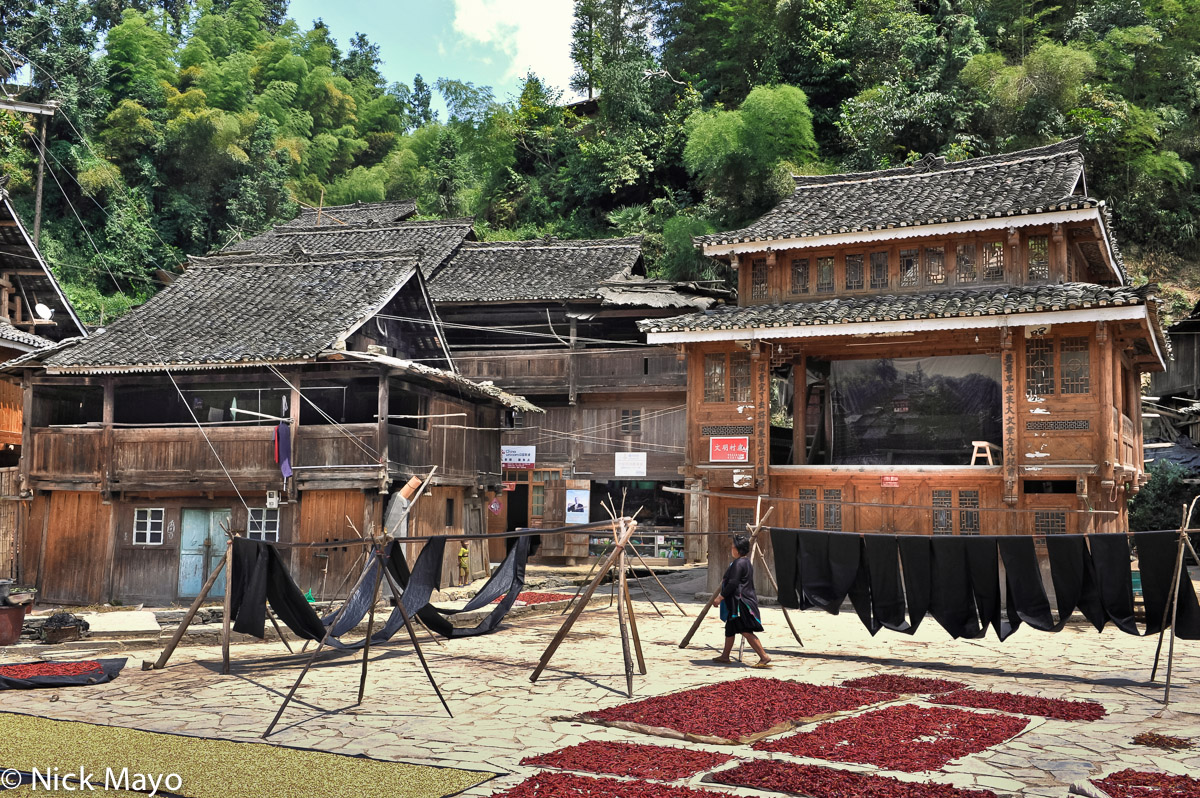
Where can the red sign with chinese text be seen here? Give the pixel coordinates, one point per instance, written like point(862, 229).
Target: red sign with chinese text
point(509, 486)
point(728, 450)
point(889, 482)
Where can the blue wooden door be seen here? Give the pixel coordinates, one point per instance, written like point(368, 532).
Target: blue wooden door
point(201, 547)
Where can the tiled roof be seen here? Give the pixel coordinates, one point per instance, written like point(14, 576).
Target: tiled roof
point(10, 333)
point(995, 301)
point(433, 240)
point(929, 192)
point(356, 213)
point(223, 312)
point(515, 271)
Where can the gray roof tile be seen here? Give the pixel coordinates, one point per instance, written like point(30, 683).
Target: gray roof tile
point(356, 213)
point(226, 311)
point(992, 301)
point(545, 269)
point(929, 192)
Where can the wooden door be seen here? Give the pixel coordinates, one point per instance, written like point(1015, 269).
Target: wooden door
point(77, 545)
point(201, 547)
point(323, 515)
point(904, 518)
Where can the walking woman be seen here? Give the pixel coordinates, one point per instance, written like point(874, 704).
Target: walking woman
point(739, 604)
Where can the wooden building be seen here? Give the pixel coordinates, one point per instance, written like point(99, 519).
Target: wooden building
point(918, 348)
point(34, 315)
point(556, 321)
point(147, 438)
point(1176, 392)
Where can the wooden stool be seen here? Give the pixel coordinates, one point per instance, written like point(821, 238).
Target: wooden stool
point(983, 449)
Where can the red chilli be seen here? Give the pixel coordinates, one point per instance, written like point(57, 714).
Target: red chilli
point(822, 782)
point(736, 709)
point(33, 670)
point(1140, 784)
point(1056, 708)
point(630, 759)
point(905, 738)
point(538, 598)
point(914, 685)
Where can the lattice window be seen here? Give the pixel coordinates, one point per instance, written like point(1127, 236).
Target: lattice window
point(799, 275)
point(909, 268)
point(1075, 364)
point(1039, 258)
point(879, 270)
point(737, 518)
point(965, 266)
point(832, 506)
point(824, 275)
point(1050, 522)
point(631, 422)
point(758, 278)
point(263, 524)
point(808, 508)
point(714, 377)
point(148, 526)
point(935, 265)
point(993, 262)
point(739, 370)
point(1039, 367)
point(968, 518)
point(854, 272)
point(943, 516)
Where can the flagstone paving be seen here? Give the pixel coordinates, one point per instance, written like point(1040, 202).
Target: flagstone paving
point(500, 717)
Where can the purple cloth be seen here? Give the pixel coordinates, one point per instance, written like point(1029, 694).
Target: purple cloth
point(283, 449)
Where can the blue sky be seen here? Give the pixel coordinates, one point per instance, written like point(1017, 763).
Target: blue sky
point(486, 42)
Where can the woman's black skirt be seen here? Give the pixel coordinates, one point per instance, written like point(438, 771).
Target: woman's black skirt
point(744, 623)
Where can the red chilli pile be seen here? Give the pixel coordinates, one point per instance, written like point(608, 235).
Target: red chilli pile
point(629, 759)
point(1139, 784)
point(33, 670)
point(913, 685)
point(821, 782)
point(1056, 708)
point(905, 738)
point(564, 785)
point(737, 709)
point(538, 598)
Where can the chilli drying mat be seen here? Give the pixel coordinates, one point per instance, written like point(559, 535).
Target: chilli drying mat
point(211, 768)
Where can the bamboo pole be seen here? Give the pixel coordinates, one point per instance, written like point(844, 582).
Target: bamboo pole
point(628, 528)
point(660, 584)
point(227, 611)
point(1174, 614)
point(312, 658)
point(708, 604)
point(362, 678)
point(412, 634)
point(1172, 602)
point(637, 640)
point(190, 615)
point(624, 588)
point(278, 631)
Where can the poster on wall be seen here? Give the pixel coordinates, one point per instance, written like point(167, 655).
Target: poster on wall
point(579, 506)
point(728, 450)
point(629, 464)
point(518, 458)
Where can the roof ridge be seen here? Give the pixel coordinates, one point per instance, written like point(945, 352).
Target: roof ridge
point(301, 259)
point(372, 226)
point(535, 243)
point(999, 160)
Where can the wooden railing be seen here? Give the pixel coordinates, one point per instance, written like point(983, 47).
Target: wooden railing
point(625, 368)
point(182, 455)
point(66, 454)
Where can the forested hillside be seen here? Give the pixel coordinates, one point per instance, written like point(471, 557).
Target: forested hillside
point(184, 125)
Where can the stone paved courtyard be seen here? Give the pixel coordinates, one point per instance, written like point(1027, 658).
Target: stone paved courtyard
point(501, 717)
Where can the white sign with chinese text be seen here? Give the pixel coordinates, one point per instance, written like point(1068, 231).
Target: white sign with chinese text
point(629, 464)
point(518, 457)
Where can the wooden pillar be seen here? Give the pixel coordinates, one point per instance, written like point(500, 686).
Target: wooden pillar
point(106, 439)
point(26, 430)
point(760, 376)
point(1009, 415)
point(799, 409)
point(1018, 269)
point(572, 367)
point(1058, 254)
point(381, 431)
point(37, 194)
point(1106, 381)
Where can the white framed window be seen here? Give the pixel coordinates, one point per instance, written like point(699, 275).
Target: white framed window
point(264, 524)
point(148, 526)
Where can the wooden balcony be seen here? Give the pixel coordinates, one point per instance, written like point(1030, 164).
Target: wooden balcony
point(594, 371)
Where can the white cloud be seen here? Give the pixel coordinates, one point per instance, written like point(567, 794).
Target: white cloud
point(534, 34)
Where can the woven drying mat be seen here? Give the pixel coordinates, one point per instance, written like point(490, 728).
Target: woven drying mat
point(218, 768)
point(675, 734)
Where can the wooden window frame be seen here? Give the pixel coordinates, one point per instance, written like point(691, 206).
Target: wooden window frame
point(861, 259)
point(805, 287)
point(631, 421)
point(264, 524)
point(1057, 359)
point(760, 290)
point(149, 521)
point(832, 260)
point(887, 270)
point(707, 386)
